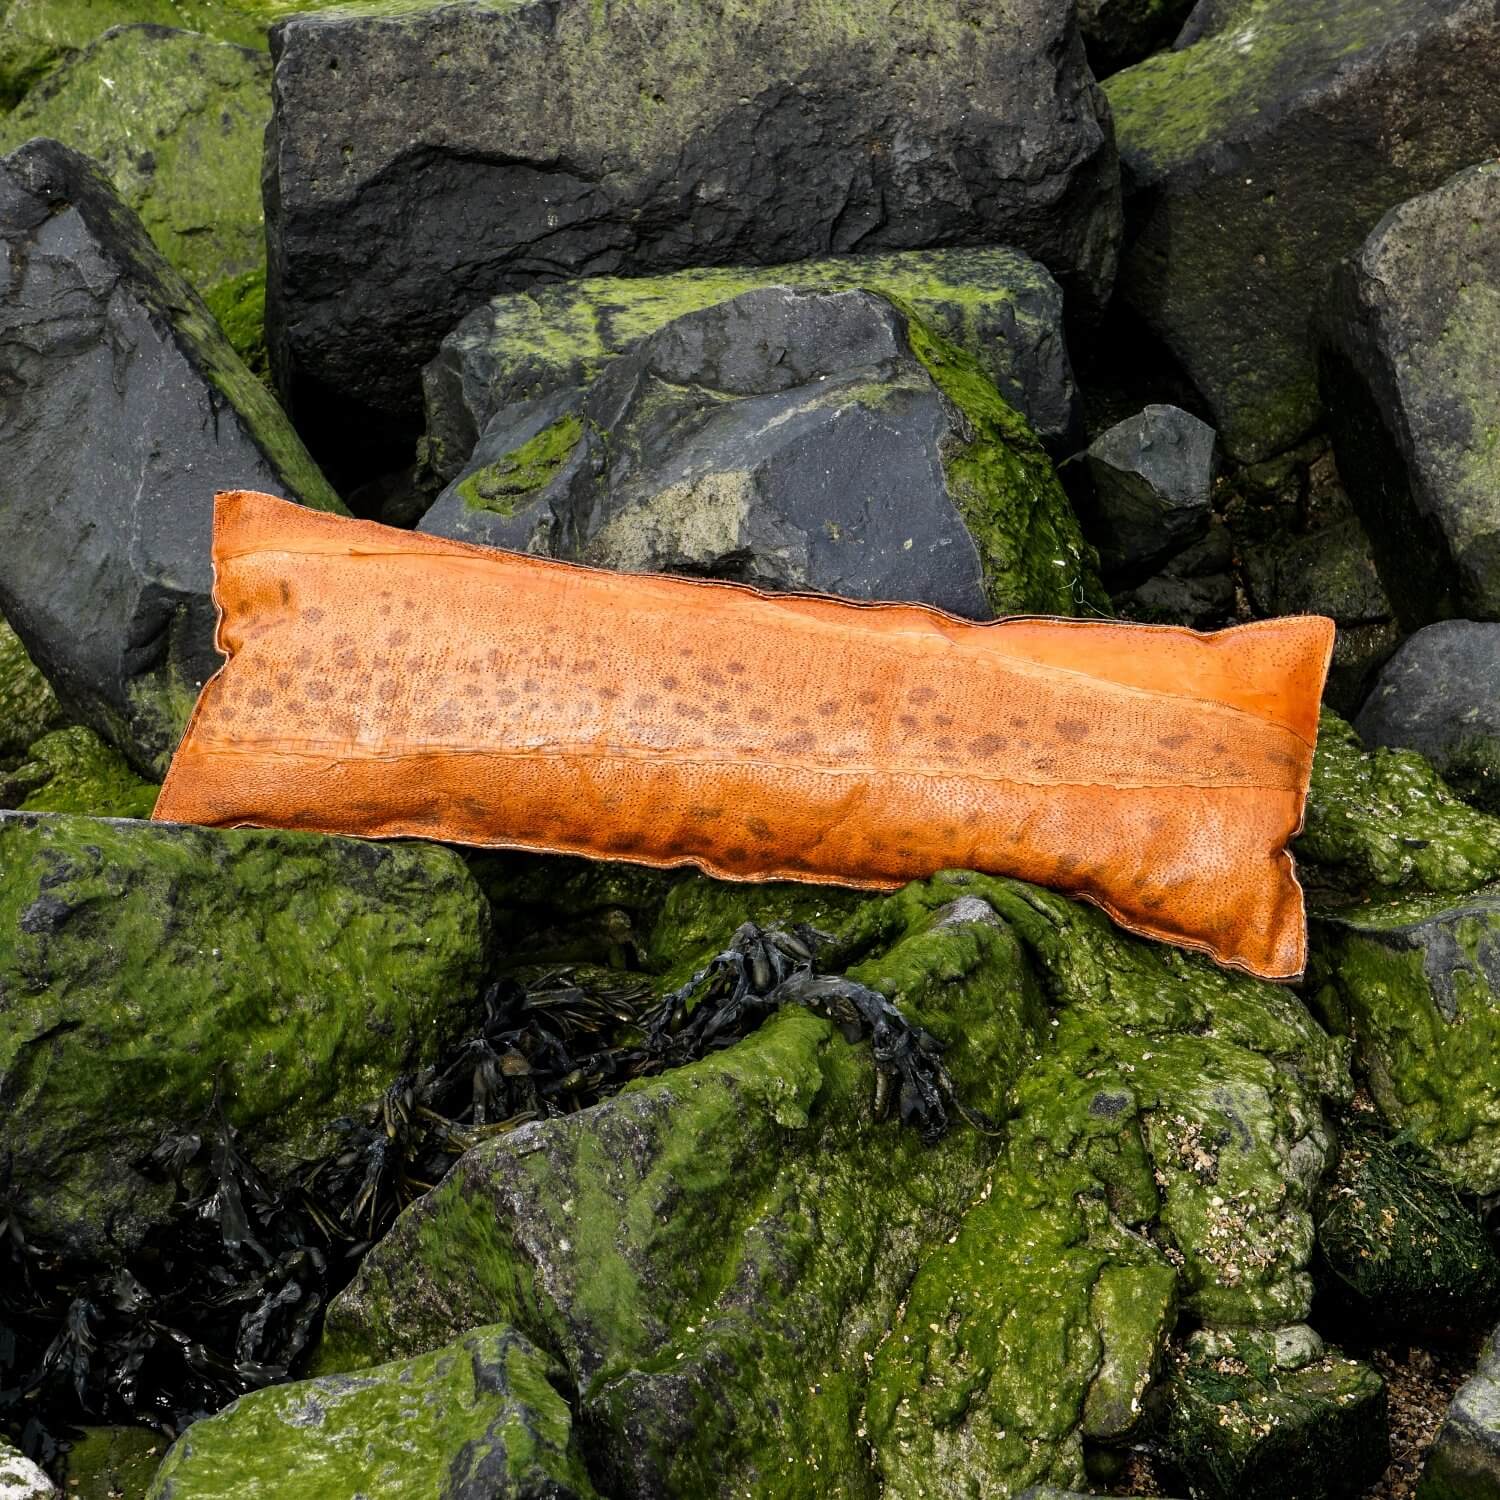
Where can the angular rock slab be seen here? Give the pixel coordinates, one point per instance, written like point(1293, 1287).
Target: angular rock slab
point(478, 1420)
point(1408, 372)
point(1440, 695)
point(1272, 1414)
point(1464, 1461)
point(141, 963)
point(122, 410)
point(1257, 157)
point(998, 305)
point(1153, 478)
point(1415, 982)
point(561, 137)
point(176, 121)
point(792, 440)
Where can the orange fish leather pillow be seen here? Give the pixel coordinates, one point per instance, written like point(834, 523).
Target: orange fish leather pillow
point(385, 683)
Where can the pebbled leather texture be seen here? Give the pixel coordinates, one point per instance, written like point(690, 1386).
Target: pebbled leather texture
point(384, 683)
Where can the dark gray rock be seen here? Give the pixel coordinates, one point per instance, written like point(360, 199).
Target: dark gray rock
point(122, 410)
point(1196, 587)
point(561, 138)
point(996, 304)
point(1408, 371)
point(481, 1419)
point(1120, 32)
point(1440, 694)
point(1330, 571)
point(1464, 1461)
point(1258, 156)
point(792, 440)
point(1152, 487)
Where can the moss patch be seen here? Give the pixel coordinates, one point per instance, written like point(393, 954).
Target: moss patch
point(73, 771)
point(28, 706)
point(509, 481)
point(239, 308)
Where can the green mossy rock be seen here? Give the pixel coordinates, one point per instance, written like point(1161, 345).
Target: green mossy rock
point(140, 963)
point(36, 35)
point(1383, 821)
point(755, 1287)
point(73, 771)
point(20, 1479)
point(28, 706)
point(1416, 982)
point(998, 305)
point(112, 1463)
point(175, 120)
point(479, 1420)
point(1275, 1416)
point(1399, 1247)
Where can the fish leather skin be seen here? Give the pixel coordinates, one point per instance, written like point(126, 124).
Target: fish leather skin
point(388, 684)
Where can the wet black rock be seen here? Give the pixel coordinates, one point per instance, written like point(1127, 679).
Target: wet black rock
point(122, 410)
point(557, 137)
point(1258, 156)
point(996, 304)
point(1408, 371)
point(1120, 32)
point(791, 440)
point(1152, 482)
point(1196, 587)
point(1440, 694)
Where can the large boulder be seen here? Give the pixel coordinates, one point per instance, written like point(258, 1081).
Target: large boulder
point(479, 1420)
point(561, 138)
point(1407, 366)
point(793, 440)
point(1440, 695)
point(879, 1312)
point(1259, 155)
point(997, 305)
point(122, 410)
point(175, 120)
point(143, 964)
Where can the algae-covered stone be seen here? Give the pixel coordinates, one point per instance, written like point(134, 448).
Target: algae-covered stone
point(1407, 366)
point(1399, 1247)
point(1258, 156)
point(175, 120)
point(122, 410)
point(755, 1288)
point(564, 138)
point(1383, 820)
point(20, 1479)
point(480, 1418)
point(1249, 1419)
point(1172, 1098)
point(73, 771)
point(111, 1463)
point(28, 706)
point(802, 440)
point(1416, 981)
point(141, 963)
point(1464, 1461)
point(996, 304)
point(1440, 695)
